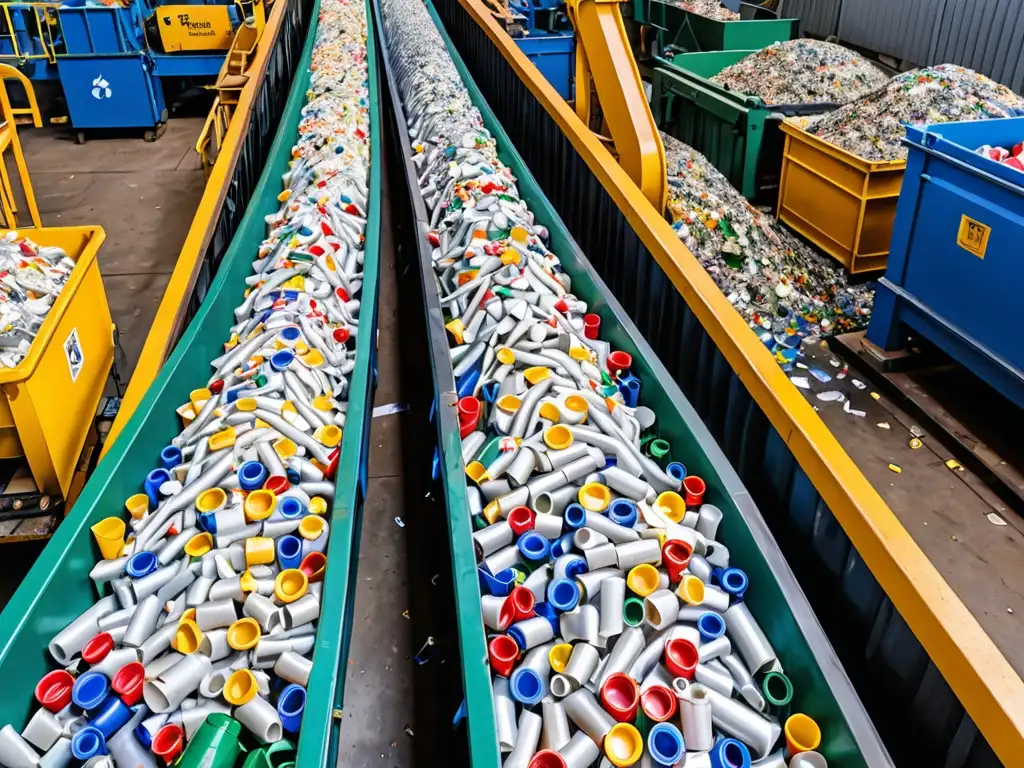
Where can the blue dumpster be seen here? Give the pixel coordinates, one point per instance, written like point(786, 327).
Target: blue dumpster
point(552, 54)
point(955, 274)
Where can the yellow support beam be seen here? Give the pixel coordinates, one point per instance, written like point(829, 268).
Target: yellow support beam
point(978, 673)
point(603, 53)
point(170, 316)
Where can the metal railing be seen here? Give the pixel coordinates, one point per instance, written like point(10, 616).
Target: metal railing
point(923, 666)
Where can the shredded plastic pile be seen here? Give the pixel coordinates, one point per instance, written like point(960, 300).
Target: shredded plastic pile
point(31, 276)
point(873, 127)
point(777, 283)
point(712, 9)
point(803, 72)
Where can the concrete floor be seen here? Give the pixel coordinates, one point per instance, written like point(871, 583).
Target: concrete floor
point(144, 195)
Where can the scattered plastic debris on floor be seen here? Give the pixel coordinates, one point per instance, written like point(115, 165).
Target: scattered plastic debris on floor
point(786, 290)
point(31, 277)
point(803, 72)
point(873, 127)
point(712, 9)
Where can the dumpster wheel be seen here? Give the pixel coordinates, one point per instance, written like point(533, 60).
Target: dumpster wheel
point(156, 133)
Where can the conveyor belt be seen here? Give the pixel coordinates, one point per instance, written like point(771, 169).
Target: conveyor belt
point(58, 587)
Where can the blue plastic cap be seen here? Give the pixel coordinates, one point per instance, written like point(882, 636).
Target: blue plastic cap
point(290, 705)
point(289, 551)
point(629, 386)
point(547, 611)
point(711, 626)
point(291, 508)
point(665, 743)
point(154, 480)
point(143, 736)
point(623, 512)
point(574, 516)
point(533, 546)
point(729, 753)
point(252, 475)
point(575, 567)
point(563, 594)
point(499, 584)
point(294, 478)
point(141, 563)
point(90, 690)
point(88, 743)
point(735, 582)
point(290, 333)
point(207, 521)
point(281, 359)
point(468, 382)
point(561, 546)
point(490, 391)
point(676, 470)
point(170, 456)
point(231, 395)
point(517, 634)
point(111, 715)
point(526, 686)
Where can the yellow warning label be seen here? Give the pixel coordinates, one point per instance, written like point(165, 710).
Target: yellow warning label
point(973, 236)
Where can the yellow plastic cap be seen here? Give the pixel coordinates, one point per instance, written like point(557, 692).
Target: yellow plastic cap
point(285, 448)
point(536, 374)
point(290, 585)
point(476, 471)
point(506, 356)
point(595, 497)
point(558, 657)
point(314, 358)
point(188, 637)
point(109, 533)
point(259, 550)
point(247, 582)
point(549, 411)
point(223, 439)
point(624, 745)
point(137, 505)
point(317, 505)
point(188, 615)
point(323, 403)
point(244, 634)
point(691, 590)
point(329, 435)
point(241, 688)
point(211, 500)
point(311, 527)
point(577, 403)
point(198, 397)
point(246, 404)
point(558, 437)
point(643, 579)
point(671, 505)
point(802, 734)
point(259, 504)
point(199, 544)
point(509, 403)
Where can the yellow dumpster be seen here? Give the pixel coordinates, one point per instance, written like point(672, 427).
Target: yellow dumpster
point(842, 203)
point(50, 398)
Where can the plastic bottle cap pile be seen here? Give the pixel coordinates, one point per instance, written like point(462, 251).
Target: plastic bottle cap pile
point(803, 72)
point(209, 622)
point(616, 622)
point(784, 288)
point(712, 9)
point(873, 127)
point(31, 277)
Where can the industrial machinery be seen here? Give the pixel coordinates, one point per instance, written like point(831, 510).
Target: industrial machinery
point(112, 59)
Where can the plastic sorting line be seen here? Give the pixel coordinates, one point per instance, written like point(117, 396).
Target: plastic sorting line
point(512, 703)
point(149, 642)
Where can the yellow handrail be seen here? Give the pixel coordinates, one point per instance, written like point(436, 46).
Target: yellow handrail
point(982, 679)
point(170, 316)
point(41, 12)
point(9, 139)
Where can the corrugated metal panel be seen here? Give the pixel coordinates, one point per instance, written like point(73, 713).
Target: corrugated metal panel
point(985, 35)
point(903, 29)
point(819, 18)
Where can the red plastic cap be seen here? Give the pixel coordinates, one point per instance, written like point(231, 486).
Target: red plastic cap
point(469, 408)
point(313, 566)
point(53, 691)
point(128, 682)
point(216, 387)
point(620, 696)
point(658, 703)
point(591, 325)
point(522, 601)
point(167, 742)
point(277, 483)
point(503, 653)
point(675, 556)
point(619, 362)
point(681, 658)
point(341, 335)
point(521, 520)
point(96, 650)
point(694, 488)
point(547, 758)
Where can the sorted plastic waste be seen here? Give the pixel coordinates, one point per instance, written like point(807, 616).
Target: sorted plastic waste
point(213, 602)
point(615, 617)
point(1009, 157)
point(786, 290)
point(803, 71)
point(31, 277)
point(873, 127)
point(711, 9)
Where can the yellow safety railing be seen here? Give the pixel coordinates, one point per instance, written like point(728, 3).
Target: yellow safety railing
point(9, 141)
point(170, 315)
point(987, 686)
point(211, 140)
point(44, 15)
